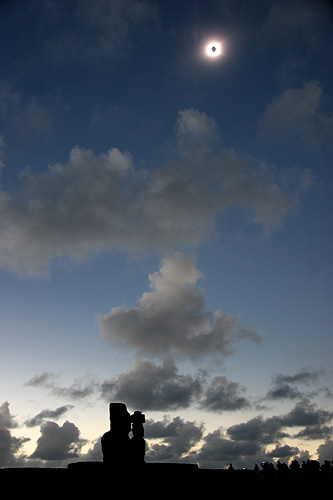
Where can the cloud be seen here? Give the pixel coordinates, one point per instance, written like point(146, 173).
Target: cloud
point(175, 438)
point(148, 386)
point(306, 413)
point(284, 385)
point(58, 443)
point(80, 389)
point(223, 395)
point(273, 429)
point(101, 203)
point(325, 451)
point(44, 414)
point(173, 317)
point(9, 445)
point(45, 379)
point(250, 442)
point(219, 451)
point(297, 115)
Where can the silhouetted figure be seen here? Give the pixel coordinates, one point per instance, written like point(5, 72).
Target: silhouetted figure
point(138, 445)
point(294, 466)
point(116, 442)
point(119, 451)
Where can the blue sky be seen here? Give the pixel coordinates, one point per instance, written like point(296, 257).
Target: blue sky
point(165, 234)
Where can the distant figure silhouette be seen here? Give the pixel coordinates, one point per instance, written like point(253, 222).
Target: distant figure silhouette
point(118, 449)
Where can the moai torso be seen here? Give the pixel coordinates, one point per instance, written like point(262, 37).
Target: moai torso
point(117, 447)
point(116, 442)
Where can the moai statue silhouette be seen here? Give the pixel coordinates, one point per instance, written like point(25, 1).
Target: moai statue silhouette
point(116, 443)
point(138, 444)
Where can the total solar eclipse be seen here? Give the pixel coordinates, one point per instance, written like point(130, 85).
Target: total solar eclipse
point(213, 49)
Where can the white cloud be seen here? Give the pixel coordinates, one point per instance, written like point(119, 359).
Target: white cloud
point(101, 203)
point(173, 317)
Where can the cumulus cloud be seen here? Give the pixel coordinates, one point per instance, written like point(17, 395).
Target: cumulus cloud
point(173, 317)
point(273, 429)
point(251, 442)
point(58, 443)
point(218, 450)
point(102, 203)
point(325, 451)
point(224, 395)
point(153, 387)
point(175, 438)
point(9, 445)
point(297, 115)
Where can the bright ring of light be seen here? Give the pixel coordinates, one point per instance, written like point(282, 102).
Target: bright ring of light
point(213, 49)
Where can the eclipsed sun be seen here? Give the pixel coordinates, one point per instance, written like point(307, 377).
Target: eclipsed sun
point(213, 49)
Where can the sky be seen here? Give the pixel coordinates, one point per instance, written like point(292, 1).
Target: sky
point(166, 229)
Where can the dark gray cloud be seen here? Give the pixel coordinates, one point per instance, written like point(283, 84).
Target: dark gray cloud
point(10, 445)
point(153, 387)
point(58, 443)
point(45, 379)
point(248, 443)
point(305, 414)
point(173, 317)
point(259, 429)
point(325, 451)
point(176, 438)
point(218, 450)
point(100, 203)
point(80, 389)
point(283, 452)
point(161, 387)
point(286, 386)
point(45, 414)
point(223, 395)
